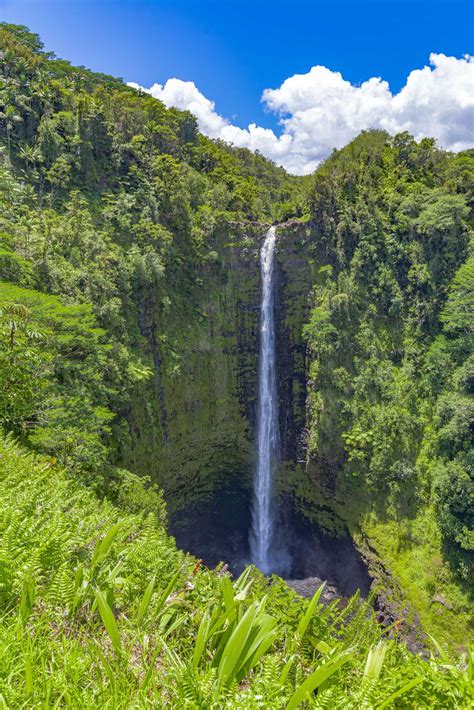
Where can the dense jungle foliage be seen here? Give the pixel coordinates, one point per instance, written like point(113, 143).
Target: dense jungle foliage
point(111, 201)
point(112, 213)
point(391, 339)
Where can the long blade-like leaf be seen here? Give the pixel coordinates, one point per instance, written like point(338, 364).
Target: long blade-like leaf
point(201, 639)
point(252, 650)
point(404, 689)
point(151, 667)
point(304, 621)
point(286, 669)
point(106, 666)
point(162, 600)
point(241, 581)
point(108, 619)
point(145, 602)
point(103, 546)
point(233, 649)
point(228, 595)
point(375, 659)
point(316, 678)
point(264, 644)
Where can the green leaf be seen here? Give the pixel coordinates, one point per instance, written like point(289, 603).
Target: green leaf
point(201, 639)
point(27, 599)
point(108, 619)
point(320, 646)
point(241, 582)
point(375, 659)
point(233, 648)
point(228, 595)
point(404, 689)
point(106, 665)
point(151, 667)
point(262, 644)
point(286, 669)
point(304, 621)
point(169, 588)
point(103, 546)
point(316, 678)
point(28, 674)
point(145, 602)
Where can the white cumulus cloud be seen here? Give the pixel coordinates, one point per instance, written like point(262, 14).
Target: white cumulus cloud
point(320, 110)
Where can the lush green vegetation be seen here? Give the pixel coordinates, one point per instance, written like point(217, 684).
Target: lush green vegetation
point(109, 198)
point(99, 609)
point(120, 306)
point(117, 205)
point(391, 336)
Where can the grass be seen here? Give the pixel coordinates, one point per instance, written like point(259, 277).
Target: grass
point(412, 552)
point(100, 610)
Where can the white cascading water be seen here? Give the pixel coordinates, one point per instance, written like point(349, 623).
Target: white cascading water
point(267, 423)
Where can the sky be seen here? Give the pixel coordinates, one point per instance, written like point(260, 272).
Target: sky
point(293, 79)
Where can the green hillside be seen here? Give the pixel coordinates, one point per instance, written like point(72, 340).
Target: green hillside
point(129, 306)
point(99, 609)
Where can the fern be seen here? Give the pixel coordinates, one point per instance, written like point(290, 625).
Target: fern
point(202, 641)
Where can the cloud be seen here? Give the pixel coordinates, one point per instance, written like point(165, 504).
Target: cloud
point(320, 110)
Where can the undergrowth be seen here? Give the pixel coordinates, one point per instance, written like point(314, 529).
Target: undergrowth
point(99, 609)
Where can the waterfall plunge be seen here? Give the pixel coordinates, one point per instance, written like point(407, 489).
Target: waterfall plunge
point(262, 533)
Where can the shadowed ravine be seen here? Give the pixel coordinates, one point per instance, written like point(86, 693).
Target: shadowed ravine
point(238, 527)
point(217, 531)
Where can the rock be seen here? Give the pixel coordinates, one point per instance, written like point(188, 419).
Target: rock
point(391, 607)
point(307, 587)
point(439, 599)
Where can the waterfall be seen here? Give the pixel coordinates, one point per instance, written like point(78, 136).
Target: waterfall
point(267, 423)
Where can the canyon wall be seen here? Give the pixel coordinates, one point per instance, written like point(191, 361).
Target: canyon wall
point(192, 427)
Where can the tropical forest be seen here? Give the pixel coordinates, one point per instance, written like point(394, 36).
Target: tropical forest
point(236, 410)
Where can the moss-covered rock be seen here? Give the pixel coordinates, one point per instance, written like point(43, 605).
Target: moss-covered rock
point(193, 426)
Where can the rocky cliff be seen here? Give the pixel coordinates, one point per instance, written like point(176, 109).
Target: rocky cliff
point(192, 428)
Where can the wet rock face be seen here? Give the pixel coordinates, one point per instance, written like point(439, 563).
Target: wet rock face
point(335, 560)
point(193, 428)
point(216, 530)
point(211, 515)
point(307, 587)
point(392, 608)
point(204, 388)
point(293, 288)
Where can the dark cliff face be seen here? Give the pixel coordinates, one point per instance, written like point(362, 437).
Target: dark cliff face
point(193, 430)
point(205, 456)
point(294, 281)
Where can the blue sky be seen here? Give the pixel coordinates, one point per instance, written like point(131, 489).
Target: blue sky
point(233, 50)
